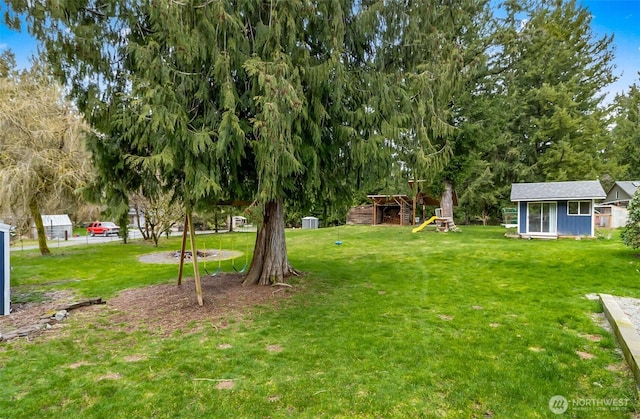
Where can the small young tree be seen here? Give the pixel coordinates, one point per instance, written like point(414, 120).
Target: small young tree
point(631, 231)
point(159, 214)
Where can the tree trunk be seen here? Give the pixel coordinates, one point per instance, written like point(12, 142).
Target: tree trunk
point(446, 200)
point(123, 221)
point(270, 263)
point(42, 236)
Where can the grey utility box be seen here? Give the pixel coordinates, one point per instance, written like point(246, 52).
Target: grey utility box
point(309, 222)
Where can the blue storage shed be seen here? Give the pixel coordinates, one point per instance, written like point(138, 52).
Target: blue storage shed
point(4, 269)
point(553, 209)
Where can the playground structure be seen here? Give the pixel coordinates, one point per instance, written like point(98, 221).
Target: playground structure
point(423, 225)
point(443, 224)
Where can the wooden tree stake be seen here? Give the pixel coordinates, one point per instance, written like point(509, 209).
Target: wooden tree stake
point(194, 258)
point(184, 245)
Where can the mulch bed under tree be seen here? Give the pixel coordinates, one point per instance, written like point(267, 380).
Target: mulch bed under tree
point(161, 309)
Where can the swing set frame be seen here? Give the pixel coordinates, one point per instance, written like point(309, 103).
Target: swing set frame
point(190, 231)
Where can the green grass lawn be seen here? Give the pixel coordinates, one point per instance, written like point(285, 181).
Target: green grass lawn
point(389, 324)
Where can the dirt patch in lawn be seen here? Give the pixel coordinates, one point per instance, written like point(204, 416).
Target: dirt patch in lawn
point(164, 309)
point(225, 385)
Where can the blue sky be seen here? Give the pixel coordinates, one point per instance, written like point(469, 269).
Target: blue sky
point(618, 17)
point(622, 19)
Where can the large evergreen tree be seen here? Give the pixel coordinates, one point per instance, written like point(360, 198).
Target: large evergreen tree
point(438, 49)
point(626, 134)
point(535, 112)
point(273, 101)
point(466, 172)
point(554, 69)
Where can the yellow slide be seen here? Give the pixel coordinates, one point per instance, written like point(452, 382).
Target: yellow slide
point(426, 223)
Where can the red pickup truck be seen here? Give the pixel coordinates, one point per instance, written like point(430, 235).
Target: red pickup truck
point(102, 228)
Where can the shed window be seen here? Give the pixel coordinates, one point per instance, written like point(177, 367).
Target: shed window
point(579, 208)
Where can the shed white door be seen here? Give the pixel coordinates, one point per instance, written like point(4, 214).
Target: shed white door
point(542, 217)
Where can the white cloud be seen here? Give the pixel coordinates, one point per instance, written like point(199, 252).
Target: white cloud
point(3, 46)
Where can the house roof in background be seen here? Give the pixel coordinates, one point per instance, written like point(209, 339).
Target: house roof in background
point(549, 191)
point(628, 186)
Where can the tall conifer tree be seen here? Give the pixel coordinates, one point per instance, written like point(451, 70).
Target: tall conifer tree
point(626, 134)
point(267, 101)
point(554, 69)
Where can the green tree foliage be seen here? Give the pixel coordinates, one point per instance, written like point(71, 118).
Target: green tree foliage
point(42, 158)
point(306, 104)
point(435, 48)
point(436, 51)
point(555, 69)
point(534, 112)
point(218, 99)
point(274, 102)
point(631, 232)
point(626, 133)
point(466, 171)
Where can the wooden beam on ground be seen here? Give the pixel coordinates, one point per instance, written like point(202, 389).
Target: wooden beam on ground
point(82, 303)
point(184, 245)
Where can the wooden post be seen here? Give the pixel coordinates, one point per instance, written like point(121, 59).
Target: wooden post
point(375, 212)
point(184, 244)
point(413, 212)
point(194, 258)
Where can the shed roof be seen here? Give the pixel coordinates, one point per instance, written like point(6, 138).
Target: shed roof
point(422, 199)
point(391, 199)
point(549, 191)
point(56, 220)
